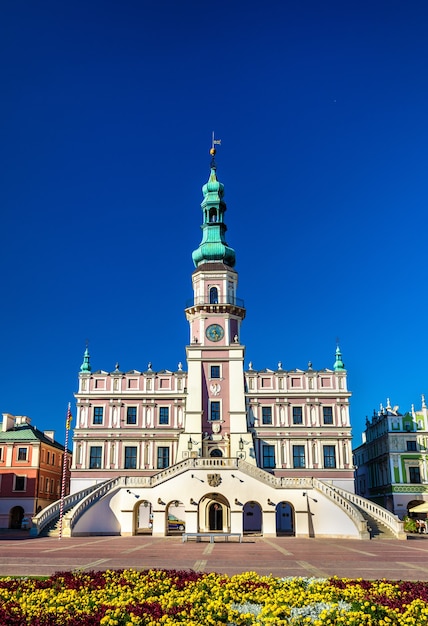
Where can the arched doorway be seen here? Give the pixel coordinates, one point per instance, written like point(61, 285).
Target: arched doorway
point(143, 518)
point(214, 514)
point(252, 518)
point(15, 517)
point(284, 519)
point(175, 518)
point(215, 517)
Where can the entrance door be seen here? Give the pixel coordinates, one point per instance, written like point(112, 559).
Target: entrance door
point(215, 517)
point(284, 519)
point(15, 517)
point(252, 522)
point(144, 518)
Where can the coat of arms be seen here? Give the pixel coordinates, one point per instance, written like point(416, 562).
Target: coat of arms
point(214, 480)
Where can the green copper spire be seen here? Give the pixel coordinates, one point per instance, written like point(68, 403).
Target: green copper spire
point(213, 247)
point(86, 367)
point(338, 365)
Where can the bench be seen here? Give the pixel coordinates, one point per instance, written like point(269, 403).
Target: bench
point(211, 536)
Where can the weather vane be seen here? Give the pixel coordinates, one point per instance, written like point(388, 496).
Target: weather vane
point(215, 142)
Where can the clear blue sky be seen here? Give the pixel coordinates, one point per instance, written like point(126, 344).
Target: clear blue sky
point(107, 110)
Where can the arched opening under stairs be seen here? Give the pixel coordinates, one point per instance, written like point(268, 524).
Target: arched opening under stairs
point(252, 518)
point(15, 517)
point(143, 518)
point(175, 522)
point(214, 514)
point(285, 519)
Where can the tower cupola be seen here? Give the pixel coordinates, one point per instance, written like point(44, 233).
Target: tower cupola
point(213, 247)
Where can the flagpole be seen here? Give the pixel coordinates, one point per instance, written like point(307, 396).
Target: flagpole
point(64, 470)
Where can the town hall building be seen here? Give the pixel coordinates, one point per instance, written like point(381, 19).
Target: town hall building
point(213, 448)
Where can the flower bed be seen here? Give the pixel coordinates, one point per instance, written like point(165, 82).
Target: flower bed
point(151, 597)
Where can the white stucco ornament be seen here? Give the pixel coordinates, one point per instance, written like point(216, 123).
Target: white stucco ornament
point(215, 389)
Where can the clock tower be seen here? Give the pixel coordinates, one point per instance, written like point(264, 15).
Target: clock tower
point(216, 423)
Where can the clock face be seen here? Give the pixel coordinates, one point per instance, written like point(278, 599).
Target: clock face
point(215, 332)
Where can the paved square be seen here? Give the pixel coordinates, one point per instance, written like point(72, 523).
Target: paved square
point(279, 556)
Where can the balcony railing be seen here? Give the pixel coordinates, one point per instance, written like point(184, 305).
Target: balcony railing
point(220, 300)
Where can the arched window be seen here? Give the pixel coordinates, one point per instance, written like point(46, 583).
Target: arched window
point(213, 295)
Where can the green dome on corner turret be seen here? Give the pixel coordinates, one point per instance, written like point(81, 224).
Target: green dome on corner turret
point(213, 247)
point(339, 364)
point(86, 367)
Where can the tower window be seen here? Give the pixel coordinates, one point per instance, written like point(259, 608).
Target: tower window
point(269, 456)
point(98, 415)
point(215, 371)
point(329, 456)
point(131, 415)
point(411, 446)
point(266, 415)
point(164, 415)
point(213, 295)
point(95, 457)
point(215, 411)
point(297, 415)
point(298, 456)
point(131, 457)
point(163, 457)
point(327, 413)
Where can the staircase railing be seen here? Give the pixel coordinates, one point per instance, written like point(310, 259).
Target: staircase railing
point(381, 515)
point(76, 512)
point(352, 511)
point(52, 511)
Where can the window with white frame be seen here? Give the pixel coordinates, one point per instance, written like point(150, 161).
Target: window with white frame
point(414, 475)
point(329, 456)
point(215, 371)
point(163, 457)
point(297, 415)
point(164, 415)
point(131, 415)
point(267, 415)
point(95, 456)
point(327, 414)
point(268, 459)
point(22, 454)
point(215, 410)
point(98, 415)
point(130, 457)
point(298, 456)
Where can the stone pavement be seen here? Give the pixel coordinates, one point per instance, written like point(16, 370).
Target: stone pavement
point(21, 555)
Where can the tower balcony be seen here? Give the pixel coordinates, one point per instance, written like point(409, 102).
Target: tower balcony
point(225, 304)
